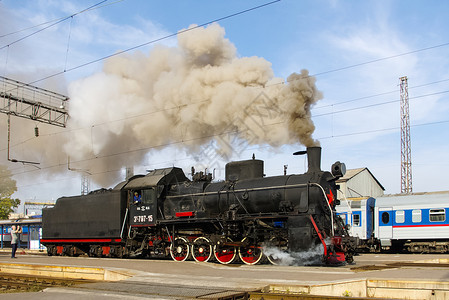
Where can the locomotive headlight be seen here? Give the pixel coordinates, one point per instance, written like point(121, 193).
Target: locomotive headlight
point(338, 169)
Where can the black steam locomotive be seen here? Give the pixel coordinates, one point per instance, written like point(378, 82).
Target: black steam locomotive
point(165, 214)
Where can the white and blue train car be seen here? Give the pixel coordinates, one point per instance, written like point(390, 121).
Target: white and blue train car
point(416, 222)
point(358, 215)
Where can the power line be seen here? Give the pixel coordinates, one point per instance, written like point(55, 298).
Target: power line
point(380, 59)
point(254, 148)
point(223, 133)
point(382, 130)
point(379, 104)
point(363, 63)
point(335, 70)
point(97, 6)
point(195, 103)
point(51, 25)
point(153, 41)
point(380, 94)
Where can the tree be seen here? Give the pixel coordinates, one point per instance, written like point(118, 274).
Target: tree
point(7, 188)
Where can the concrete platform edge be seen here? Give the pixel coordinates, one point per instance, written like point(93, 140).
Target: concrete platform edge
point(67, 272)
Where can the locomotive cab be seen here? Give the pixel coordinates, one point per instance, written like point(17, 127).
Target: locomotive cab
point(144, 195)
point(143, 207)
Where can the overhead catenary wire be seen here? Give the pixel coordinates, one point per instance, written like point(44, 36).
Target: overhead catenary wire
point(344, 68)
point(97, 6)
point(217, 20)
point(204, 101)
point(233, 131)
point(253, 148)
point(379, 94)
point(381, 103)
point(51, 25)
point(147, 43)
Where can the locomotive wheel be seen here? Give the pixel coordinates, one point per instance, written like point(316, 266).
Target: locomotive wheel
point(69, 250)
point(250, 254)
point(201, 249)
point(92, 251)
point(225, 254)
point(180, 249)
point(52, 251)
point(276, 248)
point(98, 251)
point(116, 251)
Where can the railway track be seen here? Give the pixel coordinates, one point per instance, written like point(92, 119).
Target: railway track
point(24, 283)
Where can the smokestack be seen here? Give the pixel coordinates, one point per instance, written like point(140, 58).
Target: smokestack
point(314, 159)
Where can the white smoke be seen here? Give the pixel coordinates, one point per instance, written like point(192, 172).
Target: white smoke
point(186, 96)
point(312, 256)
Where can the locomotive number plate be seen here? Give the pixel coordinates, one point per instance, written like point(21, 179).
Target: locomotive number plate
point(143, 219)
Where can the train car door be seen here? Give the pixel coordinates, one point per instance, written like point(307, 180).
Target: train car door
point(370, 204)
point(143, 207)
point(385, 219)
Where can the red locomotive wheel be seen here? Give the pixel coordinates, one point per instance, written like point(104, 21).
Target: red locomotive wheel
point(201, 249)
point(180, 249)
point(251, 254)
point(225, 254)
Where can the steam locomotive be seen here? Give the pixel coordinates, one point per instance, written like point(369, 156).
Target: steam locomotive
point(164, 214)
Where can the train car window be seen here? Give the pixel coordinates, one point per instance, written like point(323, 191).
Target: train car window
point(416, 216)
point(344, 217)
point(400, 216)
point(148, 197)
point(356, 220)
point(385, 217)
point(437, 215)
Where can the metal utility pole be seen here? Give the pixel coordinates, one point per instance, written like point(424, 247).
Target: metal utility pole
point(85, 183)
point(85, 177)
point(406, 162)
point(30, 102)
point(23, 100)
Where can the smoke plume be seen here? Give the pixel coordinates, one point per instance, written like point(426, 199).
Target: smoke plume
point(187, 96)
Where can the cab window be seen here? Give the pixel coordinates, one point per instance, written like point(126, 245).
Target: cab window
point(149, 197)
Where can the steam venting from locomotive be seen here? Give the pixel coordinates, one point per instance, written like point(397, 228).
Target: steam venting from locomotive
point(199, 92)
point(312, 256)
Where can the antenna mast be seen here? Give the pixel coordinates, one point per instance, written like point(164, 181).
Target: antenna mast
point(406, 162)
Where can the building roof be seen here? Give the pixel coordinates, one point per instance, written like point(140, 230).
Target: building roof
point(353, 172)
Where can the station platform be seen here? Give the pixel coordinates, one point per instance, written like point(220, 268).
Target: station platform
point(373, 276)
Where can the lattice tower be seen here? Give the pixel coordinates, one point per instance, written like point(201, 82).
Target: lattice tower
point(406, 162)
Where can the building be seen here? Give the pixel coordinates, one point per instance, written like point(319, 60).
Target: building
point(359, 183)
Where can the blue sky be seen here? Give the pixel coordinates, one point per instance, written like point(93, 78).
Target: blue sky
point(358, 50)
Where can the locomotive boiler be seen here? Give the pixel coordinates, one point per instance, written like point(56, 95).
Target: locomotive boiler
point(246, 216)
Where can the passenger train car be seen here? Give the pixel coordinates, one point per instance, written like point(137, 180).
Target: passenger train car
point(417, 223)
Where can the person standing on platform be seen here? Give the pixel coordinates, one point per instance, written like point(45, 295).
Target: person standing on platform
point(14, 239)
